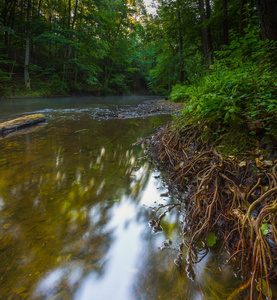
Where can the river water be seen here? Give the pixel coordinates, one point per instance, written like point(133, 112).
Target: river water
point(75, 199)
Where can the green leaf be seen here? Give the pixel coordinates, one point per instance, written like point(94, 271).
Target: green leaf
point(231, 110)
point(261, 286)
point(116, 200)
point(264, 228)
point(226, 116)
point(211, 240)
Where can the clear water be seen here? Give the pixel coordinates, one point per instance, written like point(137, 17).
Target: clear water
point(74, 210)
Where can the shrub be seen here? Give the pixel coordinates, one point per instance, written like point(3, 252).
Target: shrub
point(180, 93)
point(242, 84)
point(57, 86)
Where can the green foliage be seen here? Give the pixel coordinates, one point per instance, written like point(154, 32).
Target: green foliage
point(94, 46)
point(116, 47)
point(264, 228)
point(58, 87)
point(262, 287)
point(180, 93)
point(241, 84)
point(165, 60)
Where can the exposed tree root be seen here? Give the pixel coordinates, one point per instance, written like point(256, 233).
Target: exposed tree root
point(235, 200)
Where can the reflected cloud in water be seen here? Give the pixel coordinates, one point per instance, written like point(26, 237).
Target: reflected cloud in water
point(122, 257)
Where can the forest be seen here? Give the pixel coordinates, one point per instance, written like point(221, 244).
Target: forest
point(117, 47)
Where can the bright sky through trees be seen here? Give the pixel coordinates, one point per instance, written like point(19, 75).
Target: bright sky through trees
point(149, 8)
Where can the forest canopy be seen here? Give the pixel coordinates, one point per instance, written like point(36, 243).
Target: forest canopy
point(117, 47)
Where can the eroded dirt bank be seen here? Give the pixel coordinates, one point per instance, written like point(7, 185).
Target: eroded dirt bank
point(226, 198)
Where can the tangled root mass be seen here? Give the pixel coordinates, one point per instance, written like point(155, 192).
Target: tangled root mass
point(237, 200)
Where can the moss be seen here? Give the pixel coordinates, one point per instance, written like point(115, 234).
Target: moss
point(236, 141)
point(18, 121)
point(228, 139)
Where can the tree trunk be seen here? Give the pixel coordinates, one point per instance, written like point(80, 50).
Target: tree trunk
point(206, 36)
point(21, 29)
point(39, 7)
point(210, 44)
point(242, 21)
point(268, 18)
point(27, 50)
point(75, 14)
point(12, 21)
point(69, 14)
point(225, 22)
point(180, 48)
point(6, 17)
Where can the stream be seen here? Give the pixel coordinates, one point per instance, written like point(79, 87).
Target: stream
point(75, 201)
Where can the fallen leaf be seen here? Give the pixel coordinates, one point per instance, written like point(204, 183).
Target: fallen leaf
point(7, 226)
point(246, 188)
point(268, 163)
point(242, 163)
point(264, 188)
point(259, 163)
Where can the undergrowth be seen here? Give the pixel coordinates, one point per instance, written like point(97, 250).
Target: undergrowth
point(242, 84)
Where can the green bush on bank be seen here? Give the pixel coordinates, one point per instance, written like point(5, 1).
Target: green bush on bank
point(242, 84)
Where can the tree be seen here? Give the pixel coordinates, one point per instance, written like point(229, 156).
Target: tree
point(27, 50)
point(268, 18)
point(225, 22)
point(206, 33)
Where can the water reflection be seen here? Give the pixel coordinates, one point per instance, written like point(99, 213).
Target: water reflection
point(61, 194)
point(73, 216)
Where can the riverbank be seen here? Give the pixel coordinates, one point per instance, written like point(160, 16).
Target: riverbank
point(227, 187)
